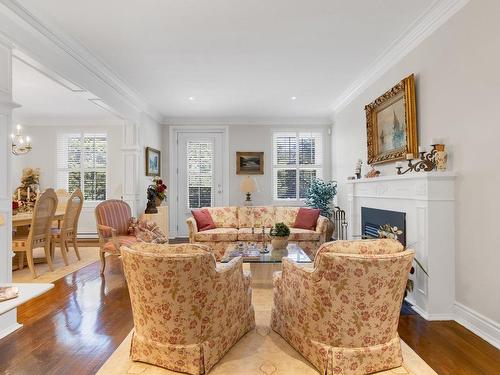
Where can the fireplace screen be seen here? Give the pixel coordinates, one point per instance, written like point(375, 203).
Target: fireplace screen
point(374, 219)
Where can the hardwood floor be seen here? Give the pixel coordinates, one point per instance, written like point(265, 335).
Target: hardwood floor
point(75, 327)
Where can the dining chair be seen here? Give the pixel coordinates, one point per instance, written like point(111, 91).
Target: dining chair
point(40, 232)
point(113, 221)
point(69, 226)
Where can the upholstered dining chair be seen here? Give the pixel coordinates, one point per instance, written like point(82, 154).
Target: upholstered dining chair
point(343, 314)
point(113, 219)
point(69, 227)
point(39, 234)
point(188, 311)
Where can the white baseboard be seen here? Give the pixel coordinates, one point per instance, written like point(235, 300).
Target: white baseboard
point(7, 331)
point(482, 326)
point(432, 317)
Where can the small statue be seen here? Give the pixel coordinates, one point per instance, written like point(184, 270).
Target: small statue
point(151, 206)
point(357, 170)
point(372, 172)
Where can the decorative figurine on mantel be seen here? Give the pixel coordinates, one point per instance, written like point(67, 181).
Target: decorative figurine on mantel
point(357, 170)
point(26, 194)
point(372, 172)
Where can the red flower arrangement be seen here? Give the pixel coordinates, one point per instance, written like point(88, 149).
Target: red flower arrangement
point(159, 188)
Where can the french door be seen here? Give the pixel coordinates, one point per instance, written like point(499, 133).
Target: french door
point(199, 174)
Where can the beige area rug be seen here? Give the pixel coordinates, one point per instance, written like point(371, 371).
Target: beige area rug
point(89, 255)
point(259, 352)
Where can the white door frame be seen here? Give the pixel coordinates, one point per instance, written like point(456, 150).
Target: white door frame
point(173, 163)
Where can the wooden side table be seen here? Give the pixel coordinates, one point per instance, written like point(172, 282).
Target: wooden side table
point(161, 218)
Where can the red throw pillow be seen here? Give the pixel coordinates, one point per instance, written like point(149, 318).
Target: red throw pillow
point(203, 219)
point(307, 218)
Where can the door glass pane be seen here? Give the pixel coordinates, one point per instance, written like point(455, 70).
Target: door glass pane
point(200, 176)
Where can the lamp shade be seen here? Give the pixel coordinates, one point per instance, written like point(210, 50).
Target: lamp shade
point(248, 185)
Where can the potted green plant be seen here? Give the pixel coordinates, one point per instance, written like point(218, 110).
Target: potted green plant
point(279, 239)
point(320, 195)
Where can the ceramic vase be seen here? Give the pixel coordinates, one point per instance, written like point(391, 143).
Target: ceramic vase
point(441, 158)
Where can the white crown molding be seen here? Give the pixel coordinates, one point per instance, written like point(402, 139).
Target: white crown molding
point(253, 121)
point(69, 121)
point(80, 54)
point(435, 16)
point(482, 326)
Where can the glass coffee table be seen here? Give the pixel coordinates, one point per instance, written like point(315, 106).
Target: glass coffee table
point(263, 265)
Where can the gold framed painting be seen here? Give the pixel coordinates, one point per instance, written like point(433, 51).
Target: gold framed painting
point(249, 162)
point(391, 124)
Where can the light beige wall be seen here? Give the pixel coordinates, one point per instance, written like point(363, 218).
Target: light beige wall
point(260, 138)
point(458, 96)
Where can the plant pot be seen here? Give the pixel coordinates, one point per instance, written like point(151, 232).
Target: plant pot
point(279, 247)
point(279, 243)
point(158, 201)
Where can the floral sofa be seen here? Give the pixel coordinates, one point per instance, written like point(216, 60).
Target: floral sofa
point(343, 314)
point(188, 311)
point(236, 223)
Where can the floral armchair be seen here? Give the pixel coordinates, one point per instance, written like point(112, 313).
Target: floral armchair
point(343, 314)
point(188, 311)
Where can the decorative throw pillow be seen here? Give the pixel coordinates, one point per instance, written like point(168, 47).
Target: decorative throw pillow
point(146, 231)
point(203, 219)
point(307, 218)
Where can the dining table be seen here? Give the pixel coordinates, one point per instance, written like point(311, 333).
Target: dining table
point(23, 219)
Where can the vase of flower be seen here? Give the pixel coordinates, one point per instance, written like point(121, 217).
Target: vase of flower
point(279, 234)
point(159, 189)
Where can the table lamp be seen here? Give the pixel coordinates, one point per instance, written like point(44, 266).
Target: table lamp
point(248, 186)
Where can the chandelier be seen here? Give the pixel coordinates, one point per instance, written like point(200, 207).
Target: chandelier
point(20, 145)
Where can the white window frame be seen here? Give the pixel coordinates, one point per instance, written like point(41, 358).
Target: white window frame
point(82, 168)
point(296, 166)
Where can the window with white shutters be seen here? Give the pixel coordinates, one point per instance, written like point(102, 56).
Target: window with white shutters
point(200, 162)
point(82, 163)
point(297, 160)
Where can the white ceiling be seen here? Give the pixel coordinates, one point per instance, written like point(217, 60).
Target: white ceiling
point(43, 100)
point(243, 58)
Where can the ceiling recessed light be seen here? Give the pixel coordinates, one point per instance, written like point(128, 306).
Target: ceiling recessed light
point(293, 98)
point(191, 98)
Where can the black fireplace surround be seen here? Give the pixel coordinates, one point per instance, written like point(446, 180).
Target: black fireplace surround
point(373, 218)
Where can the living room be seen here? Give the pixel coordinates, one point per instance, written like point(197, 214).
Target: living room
point(258, 147)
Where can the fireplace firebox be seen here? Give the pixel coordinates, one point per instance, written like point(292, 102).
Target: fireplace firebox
point(373, 218)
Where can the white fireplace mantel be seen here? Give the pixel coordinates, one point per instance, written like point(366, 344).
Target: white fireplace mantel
point(428, 199)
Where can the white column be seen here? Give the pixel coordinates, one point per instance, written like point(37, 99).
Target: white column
point(131, 152)
point(8, 322)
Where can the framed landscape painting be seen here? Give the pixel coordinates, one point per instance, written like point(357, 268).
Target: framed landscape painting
point(249, 162)
point(391, 124)
point(153, 161)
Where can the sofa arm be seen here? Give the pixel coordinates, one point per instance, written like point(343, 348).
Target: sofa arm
point(192, 227)
point(321, 227)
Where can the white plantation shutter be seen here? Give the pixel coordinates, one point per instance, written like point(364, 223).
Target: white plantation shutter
point(82, 163)
point(200, 163)
point(297, 160)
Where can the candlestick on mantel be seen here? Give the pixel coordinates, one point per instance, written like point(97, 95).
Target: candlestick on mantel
point(28, 197)
point(409, 156)
point(421, 149)
point(18, 195)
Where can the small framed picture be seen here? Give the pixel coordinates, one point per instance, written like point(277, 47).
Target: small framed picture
point(249, 162)
point(153, 161)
